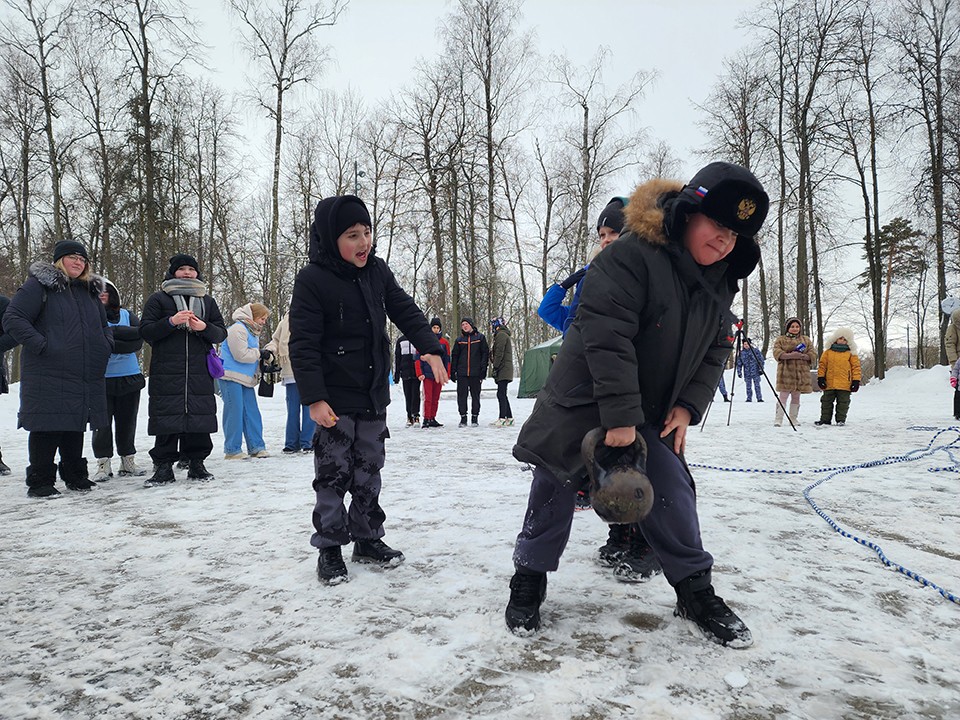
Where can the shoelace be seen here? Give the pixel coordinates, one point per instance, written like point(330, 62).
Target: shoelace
point(526, 588)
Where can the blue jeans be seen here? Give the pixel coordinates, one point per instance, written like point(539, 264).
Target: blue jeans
point(241, 418)
point(300, 426)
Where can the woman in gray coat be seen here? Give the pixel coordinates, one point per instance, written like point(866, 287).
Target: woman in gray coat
point(58, 318)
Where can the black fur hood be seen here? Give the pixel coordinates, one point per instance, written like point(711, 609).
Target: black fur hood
point(53, 279)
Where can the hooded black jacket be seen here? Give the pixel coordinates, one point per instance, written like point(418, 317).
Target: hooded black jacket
point(652, 332)
point(470, 354)
point(339, 348)
point(66, 344)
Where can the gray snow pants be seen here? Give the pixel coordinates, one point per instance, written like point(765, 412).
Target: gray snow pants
point(348, 458)
point(672, 528)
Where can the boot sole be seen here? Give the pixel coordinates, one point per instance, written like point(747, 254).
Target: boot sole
point(696, 631)
point(337, 580)
point(392, 563)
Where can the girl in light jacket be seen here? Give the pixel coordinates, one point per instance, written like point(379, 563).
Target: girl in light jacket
point(241, 369)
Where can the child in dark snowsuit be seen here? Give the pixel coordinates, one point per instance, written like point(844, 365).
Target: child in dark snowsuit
point(750, 368)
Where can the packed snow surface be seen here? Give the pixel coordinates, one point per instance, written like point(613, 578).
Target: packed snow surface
point(200, 600)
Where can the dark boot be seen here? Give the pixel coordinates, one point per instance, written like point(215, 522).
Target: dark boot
point(330, 567)
point(4, 468)
point(527, 591)
point(376, 552)
point(639, 563)
point(75, 477)
point(697, 601)
point(162, 475)
point(197, 471)
point(617, 544)
point(40, 481)
point(475, 420)
point(463, 421)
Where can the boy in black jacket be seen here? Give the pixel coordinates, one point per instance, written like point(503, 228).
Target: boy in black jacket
point(468, 367)
point(643, 357)
point(341, 360)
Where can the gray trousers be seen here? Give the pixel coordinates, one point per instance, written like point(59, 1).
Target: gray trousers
point(672, 528)
point(348, 458)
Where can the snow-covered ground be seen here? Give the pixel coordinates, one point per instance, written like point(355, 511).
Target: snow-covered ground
point(200, 600)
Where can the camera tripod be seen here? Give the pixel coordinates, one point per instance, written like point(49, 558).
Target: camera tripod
point(738, 349)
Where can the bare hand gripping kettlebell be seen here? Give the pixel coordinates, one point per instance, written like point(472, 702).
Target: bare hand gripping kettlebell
point(620, 491)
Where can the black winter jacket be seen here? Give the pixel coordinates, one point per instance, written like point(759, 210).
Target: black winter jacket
point(66, 344)
point(7, 342)
point(404, 360)
point(470, 356)
point(339, 348)
point(648, 336)
point(181, 390)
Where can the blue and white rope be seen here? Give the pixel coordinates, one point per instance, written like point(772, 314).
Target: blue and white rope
point(911, 456)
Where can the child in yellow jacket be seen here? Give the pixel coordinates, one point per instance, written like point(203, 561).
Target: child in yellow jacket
point(838, 375)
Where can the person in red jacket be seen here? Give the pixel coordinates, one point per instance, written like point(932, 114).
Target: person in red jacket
point(431, 387)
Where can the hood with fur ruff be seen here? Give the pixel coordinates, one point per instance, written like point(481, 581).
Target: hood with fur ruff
point(841, 332)
point(53, 279)
point(648, 215)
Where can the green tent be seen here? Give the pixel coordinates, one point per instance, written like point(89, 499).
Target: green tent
point(537, 362)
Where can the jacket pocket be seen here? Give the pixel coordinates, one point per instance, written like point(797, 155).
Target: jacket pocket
point(346, 363)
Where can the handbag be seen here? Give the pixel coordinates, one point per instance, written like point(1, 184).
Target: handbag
point(214, 363)
point(269, 376)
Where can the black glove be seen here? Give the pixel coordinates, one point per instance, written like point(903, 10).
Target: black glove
point(822, 382)
point(854, 386)
point(266, 355)
point(573, 279)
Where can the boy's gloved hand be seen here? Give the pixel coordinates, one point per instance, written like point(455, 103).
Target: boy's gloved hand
point(573, 279)
point(822, 382)
point(854, 386)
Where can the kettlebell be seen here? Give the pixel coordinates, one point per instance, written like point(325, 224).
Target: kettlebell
point(620, 490)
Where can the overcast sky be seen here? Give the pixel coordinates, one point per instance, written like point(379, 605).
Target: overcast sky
point(376, 44)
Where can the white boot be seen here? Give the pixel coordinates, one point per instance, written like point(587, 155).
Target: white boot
point(128, 468)
point(794, 411)
point(778, 418)
point(104, 471)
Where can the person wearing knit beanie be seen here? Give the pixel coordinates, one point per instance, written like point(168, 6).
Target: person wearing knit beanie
point(182, 260)
point(552, 310)
point(69, 247)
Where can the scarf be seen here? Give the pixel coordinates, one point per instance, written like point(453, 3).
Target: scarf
point(187, 294)
point(840, 347)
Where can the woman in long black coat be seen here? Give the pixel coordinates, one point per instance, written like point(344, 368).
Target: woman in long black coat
point(58, 318)
point(181, 323)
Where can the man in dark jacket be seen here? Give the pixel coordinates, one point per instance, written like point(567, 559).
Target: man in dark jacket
point(468, 363)
point(340, 354)
point(404, 359)
point(181, 322)
point(643, 356)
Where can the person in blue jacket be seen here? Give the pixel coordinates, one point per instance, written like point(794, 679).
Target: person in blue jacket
point(124, 381)
point(552, 310)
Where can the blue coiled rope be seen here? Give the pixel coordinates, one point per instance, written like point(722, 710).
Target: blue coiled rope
point(833, 472)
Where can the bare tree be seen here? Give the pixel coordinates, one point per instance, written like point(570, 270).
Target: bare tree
point(281, 39)
point(139, 29)
point(43, 44)
point(925, 32)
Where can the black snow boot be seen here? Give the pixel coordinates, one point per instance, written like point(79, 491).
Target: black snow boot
point(475, 420)
point(617, 544)
point(40, 481)
point(377, 552)
point(75, 477)
point(4, 468)
point(162, 475)
point(197, 471)
point(330, 567)
point(463, 421)
point(697, 601)
point(639, 563)
point(527, 591)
